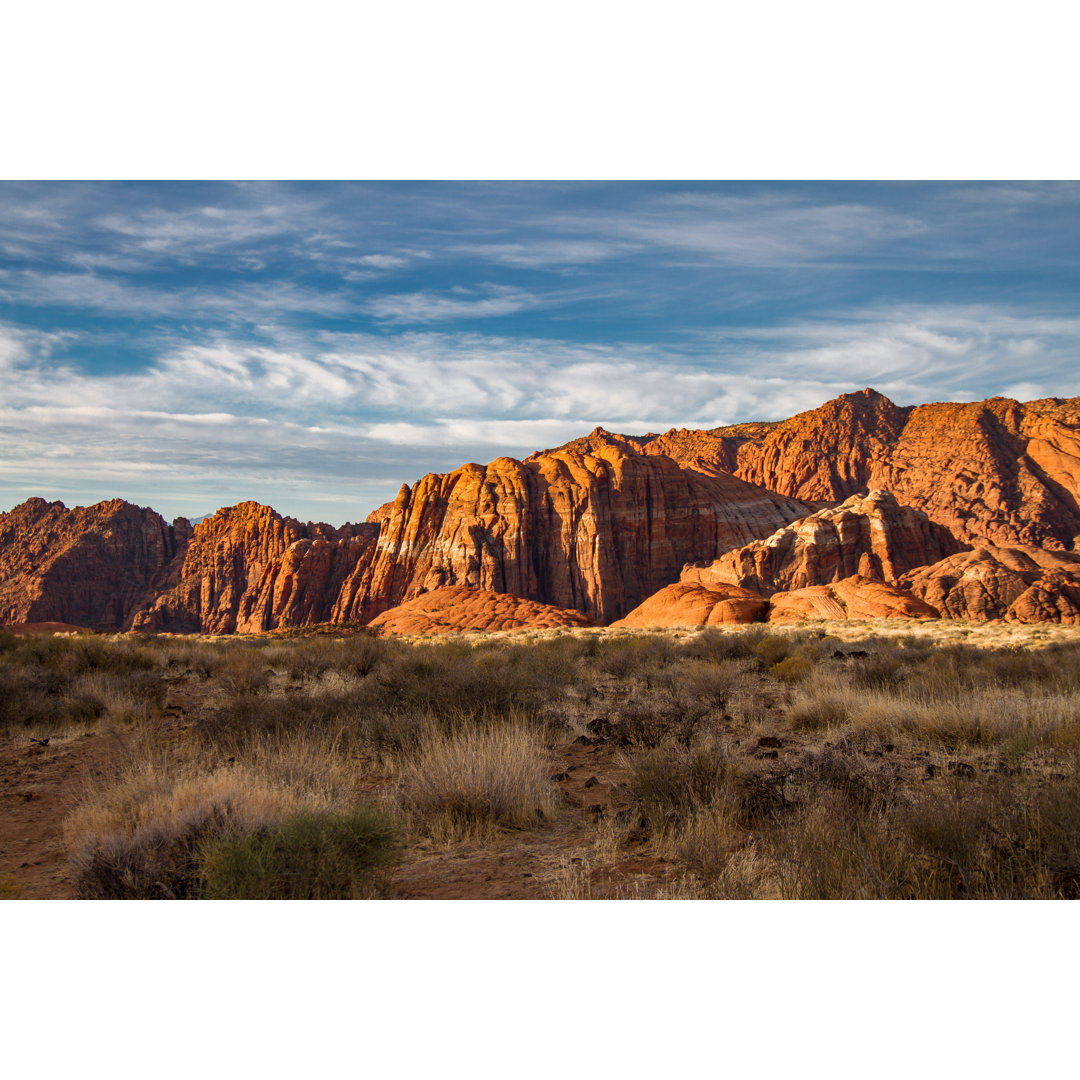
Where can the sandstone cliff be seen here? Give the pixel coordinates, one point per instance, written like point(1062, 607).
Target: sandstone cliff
point(91, 566)
point(871, 535)
point(994, 471)
point(593, 526)
point(602, 524)
point(248, 569)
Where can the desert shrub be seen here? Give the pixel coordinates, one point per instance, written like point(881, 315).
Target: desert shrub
point(716, 645)
point(476, 780)
point(882, 670)
point(818, 710)
point(10, 887)
point(672, 784)
point(648, 720)
point(637, 655)
point(45, 700)
point(844, 769)
point(243, 672)
point(454, 679)
point(140, 838)
point(707, 840)
point(309, 855)
point(772, 649)
point(793, 668)
point(278, 716)
point(830, 852)
point(127, 697)
point(998, 840)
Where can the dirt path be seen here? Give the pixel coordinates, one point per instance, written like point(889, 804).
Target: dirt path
point(39, 786)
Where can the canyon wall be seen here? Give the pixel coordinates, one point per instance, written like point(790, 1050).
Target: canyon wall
point(603, 523)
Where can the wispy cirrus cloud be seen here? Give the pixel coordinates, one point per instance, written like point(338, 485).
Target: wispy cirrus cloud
point(487, 301)
point(351, 416)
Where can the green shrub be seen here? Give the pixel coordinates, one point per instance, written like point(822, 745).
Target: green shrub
point(308, 856)
point(793, 668)
point(773, 649)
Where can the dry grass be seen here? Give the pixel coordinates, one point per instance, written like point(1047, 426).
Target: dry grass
point(818, 760)
point(469, 783)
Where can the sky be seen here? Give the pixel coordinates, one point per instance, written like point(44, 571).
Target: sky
point(314, 345)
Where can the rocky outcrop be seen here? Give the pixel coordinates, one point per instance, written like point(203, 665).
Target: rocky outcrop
point(994, 471)
point(248, 569)
point(697, 605)
point(601, 525)
point(854, 597)
point(594, 526)
point(871, 535)
point(458, 608)
point(1018, 584)
point(90, 566)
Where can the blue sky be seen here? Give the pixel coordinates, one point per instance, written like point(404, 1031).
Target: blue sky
point(312, 346)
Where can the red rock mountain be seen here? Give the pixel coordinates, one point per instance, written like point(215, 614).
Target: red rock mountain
point(91, 566)
point(600, 525)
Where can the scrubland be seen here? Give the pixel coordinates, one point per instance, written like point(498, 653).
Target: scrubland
point(819, 761)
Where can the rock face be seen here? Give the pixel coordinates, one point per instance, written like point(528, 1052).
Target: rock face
point(91, 566)
point(854, 597)
point(1018, 584)
point(870, 535)
point(605, 522)
point(594, 526)
point(458, 608)
point(994, 471)
point(697, 605)
point(248, 569)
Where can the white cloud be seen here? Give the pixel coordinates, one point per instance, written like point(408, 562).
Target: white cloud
point(422, 307)
point(341, 413)
point(756, 230)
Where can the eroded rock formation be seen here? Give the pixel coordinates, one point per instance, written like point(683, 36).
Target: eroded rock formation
point(606, 522)
point(871, 535)
point(698, 605)
point(91, 566)
point(457, 608)
point(1018, 584)
point(855, 597)
point(248, 569)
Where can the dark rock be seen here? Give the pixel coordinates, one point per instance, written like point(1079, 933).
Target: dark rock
point(591, 782)
point(931, 771)
point(584, 740)
point(770, 741)
point(560, 777)
point(596, 809)
point(962, 769)
point(769, 754)
point(601, 726)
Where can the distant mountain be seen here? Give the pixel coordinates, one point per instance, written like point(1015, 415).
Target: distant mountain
point(602, 523)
